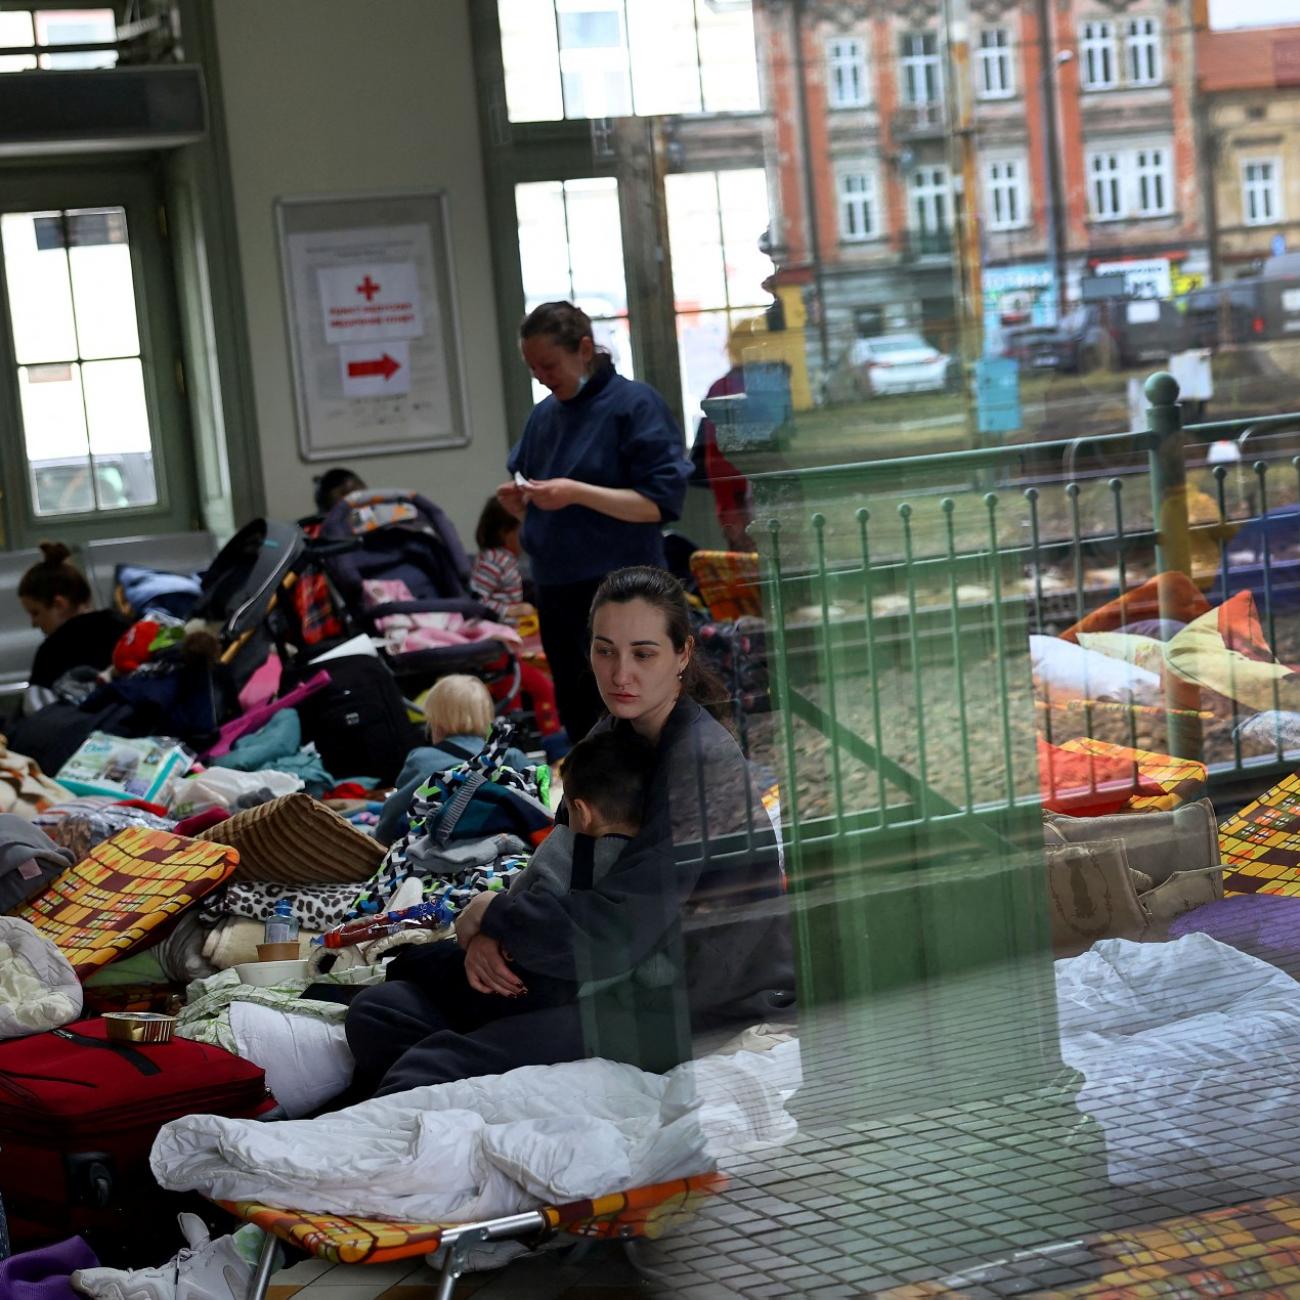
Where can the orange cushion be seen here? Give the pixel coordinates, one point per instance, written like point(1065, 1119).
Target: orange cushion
point(1089, 784)
point(1182, 600)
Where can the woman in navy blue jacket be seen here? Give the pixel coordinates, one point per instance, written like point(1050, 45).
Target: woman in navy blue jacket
point(601, 467)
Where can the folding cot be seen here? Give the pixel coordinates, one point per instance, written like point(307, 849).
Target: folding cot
point(624, 1216)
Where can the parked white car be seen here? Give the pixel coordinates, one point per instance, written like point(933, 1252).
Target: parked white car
point(898, 363)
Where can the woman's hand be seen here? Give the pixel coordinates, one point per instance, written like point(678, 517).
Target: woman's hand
point(469, 919)
point(487, 970)
point(555, 493)
point(511, 495)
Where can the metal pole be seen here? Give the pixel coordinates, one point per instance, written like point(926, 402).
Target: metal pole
point(814, 242)
point(1169, 518)
point(1054, 222)
point(957, 22)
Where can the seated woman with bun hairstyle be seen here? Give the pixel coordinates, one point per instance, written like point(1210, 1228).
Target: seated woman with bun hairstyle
point(57, 599)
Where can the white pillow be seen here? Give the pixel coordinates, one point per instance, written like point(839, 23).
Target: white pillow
point(1144, 651)
point(1065, 671)
point(39, 990)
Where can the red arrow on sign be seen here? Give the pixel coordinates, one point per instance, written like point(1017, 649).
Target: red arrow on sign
point(385, 366)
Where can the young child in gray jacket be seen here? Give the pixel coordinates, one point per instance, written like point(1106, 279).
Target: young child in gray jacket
point(605, 778)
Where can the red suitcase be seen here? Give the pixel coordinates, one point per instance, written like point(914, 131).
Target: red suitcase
point(78, 1116)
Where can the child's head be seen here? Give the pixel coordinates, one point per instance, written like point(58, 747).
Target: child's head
point(497, 527)
point(52, 590)
point(605, 778)
point(334, 485)
point(458, 705)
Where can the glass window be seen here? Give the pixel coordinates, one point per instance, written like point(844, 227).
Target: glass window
point(1104, 186)
point(1151, 171)
point(930, 199)
point(72, 311)
point(53, 27)
point(1142, 51)
point(995, 79)
point(571, 247)
point(1261, 191)
point(1098, 53)
point(612, 58)
point(1005, 205)
point(922, 75)
point(846, 73)
point(859, 214)
point(715, 222)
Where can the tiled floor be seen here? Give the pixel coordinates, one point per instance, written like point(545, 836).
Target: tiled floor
point(905, 1169)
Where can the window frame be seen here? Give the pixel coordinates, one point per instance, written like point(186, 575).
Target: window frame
point(133, 186)
point(1112, 177)
point(1137, 44)
point(1272, 188)
point(1098, 43)
point(998, 55)
point(1015, 186)
point(924, 67)
point(841, 65)
point(1163, 175)
point(930, 195)
point(866, 200)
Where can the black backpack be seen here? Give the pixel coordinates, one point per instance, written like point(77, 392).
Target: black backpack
point(359, 721)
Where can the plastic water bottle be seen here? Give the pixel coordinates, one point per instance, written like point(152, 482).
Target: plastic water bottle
point(282, 925)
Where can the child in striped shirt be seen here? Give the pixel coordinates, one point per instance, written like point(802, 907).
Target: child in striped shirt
point(495, 578)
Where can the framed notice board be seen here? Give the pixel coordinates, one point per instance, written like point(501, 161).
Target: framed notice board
point(374, 331)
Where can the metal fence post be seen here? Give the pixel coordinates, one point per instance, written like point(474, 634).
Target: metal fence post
point(1169, 516)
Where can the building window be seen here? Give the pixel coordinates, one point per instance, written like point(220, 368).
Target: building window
point(1005, 203)
point(846, 74)
point(1104, 189)
point(49, 28)
point(605, 58)
point(570, 247)
point(930, 200)
point(859, 214)
point(995, 78)
point(1261, 191)
point(715, 220)
point(1151, 175)
point(1142, 51)
point(1098, 51)
point(922, 75)
point(1135, 182)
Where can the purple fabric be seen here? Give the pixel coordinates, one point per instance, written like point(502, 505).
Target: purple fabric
point(256, 718)
point(1162, 629)
point(1266, 926)
point(43, 1274)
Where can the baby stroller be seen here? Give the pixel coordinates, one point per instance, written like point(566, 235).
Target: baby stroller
point(398, 567)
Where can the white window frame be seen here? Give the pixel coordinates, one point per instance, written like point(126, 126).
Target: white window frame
point(857, 202)
point(997, 68)
point(1098, 55)
point(1143, 59)
point(1107, 182)
point(930, 205)
point(846, 73)
point(1269, 188)
point(921, 69)
point(1153, 177)
point(1137, 183)
point(1006, 192)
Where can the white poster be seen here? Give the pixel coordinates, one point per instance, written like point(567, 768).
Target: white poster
point(370, 303)
point(372, 322)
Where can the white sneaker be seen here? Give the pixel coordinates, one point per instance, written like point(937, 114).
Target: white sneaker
point(203, 1270)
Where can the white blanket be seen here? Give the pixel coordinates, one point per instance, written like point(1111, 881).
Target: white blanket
point(495, 1145)
point(1190, 1053)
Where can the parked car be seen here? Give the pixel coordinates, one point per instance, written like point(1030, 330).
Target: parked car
point(898, 363)
point(1119, 332)
point(1245, 311)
